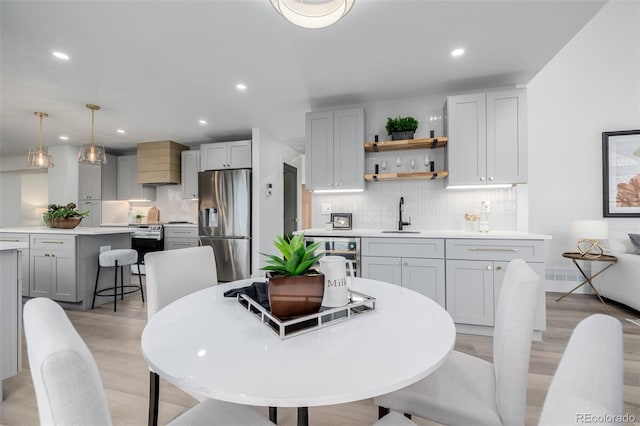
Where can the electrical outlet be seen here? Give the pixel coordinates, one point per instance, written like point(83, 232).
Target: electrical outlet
point(487, 206)
point(104, 248)
point(326, 208)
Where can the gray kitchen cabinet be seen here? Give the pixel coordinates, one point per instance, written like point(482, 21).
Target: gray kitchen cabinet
point(180, 236)
point(475, 271)
point(225, 155)
point(10, 315)
point(189, 173)
point(94, 207)
point(128, 187)
point(53, 267)
point(89, 182)
point(487, 138)
point(413, 263)
point(334, 154)
point(21, 238)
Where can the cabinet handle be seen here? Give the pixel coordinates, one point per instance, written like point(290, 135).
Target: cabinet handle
point(482, 179)
point(396, 263)
point(12, 241)
point(490, 177)
point(336, 184)
point(330, 184)
point(47, 255)
point(53, 255)
point(406, 263)
point(488, 268)
point(498, 268)
point(51, 242)
point(512, 249)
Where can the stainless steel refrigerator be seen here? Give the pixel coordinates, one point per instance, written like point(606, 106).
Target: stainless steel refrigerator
point(224, 220)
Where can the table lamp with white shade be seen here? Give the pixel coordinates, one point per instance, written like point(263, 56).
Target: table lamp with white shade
point(589, 234)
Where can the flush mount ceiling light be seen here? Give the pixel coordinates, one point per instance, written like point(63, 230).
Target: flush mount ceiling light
point(313, 13)
point(457, 52)
point(39, 157)
point(92, 154)
point(241, 87)
point(61, 55)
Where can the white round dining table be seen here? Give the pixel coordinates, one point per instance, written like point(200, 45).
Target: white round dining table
point(210, 345)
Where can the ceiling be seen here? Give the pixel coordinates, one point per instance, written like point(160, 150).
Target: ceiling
point(157, 67)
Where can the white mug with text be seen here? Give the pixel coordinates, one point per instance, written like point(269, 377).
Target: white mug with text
point(335, 280)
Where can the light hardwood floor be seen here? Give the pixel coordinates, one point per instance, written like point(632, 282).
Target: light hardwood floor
point(114, 340)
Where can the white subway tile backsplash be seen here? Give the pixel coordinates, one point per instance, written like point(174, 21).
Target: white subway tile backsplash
point(428, 203)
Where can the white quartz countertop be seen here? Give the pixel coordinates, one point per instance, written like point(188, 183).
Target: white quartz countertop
point(10, 245)
point(429, 233)
point(76, 231)
point(181, 225)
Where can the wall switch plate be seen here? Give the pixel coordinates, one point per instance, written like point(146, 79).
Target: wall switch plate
point(104, 248)
point(326, 208)
point(487, 206)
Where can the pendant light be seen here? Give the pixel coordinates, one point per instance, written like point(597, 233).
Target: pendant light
point(38, 156)
point(313, 13)
point(92, 154)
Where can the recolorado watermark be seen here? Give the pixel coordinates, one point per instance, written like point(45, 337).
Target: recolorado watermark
point(605, 418)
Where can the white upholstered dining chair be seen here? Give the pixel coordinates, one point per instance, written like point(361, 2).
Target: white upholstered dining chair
point(589, 380)
point(470, 391)
point(170, 275)
point(67, 383)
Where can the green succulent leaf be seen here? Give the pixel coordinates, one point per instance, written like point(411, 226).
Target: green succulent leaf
point(297, 258)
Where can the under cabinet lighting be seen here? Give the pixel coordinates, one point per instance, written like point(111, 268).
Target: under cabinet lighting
point(495, 186)
point(336, 191)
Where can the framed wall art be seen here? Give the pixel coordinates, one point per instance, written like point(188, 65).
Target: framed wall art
point(621, 173)
point(341, 220)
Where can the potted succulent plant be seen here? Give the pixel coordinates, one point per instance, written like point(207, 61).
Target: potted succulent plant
point(295, 287)
point(401, 128)
point(63, 216)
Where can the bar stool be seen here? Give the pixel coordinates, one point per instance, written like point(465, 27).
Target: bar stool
point(118, 258)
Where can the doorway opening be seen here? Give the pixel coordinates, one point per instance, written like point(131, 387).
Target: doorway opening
point(290, 218)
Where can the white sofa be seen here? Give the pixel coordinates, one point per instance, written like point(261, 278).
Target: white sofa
point(622, 281)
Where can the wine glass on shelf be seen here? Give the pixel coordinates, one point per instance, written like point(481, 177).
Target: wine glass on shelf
point(398, 162)
point(383, 165)
point(412, 163)
point(427, 163)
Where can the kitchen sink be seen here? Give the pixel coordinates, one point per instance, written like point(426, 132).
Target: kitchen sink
point(400, 232)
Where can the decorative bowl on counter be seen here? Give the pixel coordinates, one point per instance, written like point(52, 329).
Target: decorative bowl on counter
point(66, 223)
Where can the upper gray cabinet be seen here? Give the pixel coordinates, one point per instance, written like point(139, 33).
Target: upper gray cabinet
point(128, 187)
point(190, 168)
point(334, 154)
point(487, 138)
point(225, 155)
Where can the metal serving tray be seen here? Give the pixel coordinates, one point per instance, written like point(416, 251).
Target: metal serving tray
point(359, 304)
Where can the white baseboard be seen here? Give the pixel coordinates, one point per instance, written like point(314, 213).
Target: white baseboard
point(565, 286)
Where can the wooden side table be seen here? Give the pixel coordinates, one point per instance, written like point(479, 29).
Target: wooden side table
point(587, 279)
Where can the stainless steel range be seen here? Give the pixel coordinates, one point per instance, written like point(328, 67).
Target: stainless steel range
point(146, 238)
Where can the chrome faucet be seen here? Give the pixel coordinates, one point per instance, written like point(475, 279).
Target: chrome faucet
point(400, 209)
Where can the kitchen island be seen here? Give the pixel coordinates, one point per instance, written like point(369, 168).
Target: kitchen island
point(62, 263)
point(10, 309)
point(462, 271)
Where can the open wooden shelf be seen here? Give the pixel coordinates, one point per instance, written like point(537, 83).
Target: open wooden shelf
point(428, 143)
point(371, 177)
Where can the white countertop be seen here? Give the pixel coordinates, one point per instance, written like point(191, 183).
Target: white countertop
point(76, 231)
point(181, 225)
point(10, 245)
point(428, 233)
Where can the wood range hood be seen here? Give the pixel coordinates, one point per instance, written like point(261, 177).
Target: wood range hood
point(159, 162)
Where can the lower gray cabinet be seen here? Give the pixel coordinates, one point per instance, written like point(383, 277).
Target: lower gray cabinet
point(53, 268)
point(177, 237)
point(422, 274)
point(470, 287)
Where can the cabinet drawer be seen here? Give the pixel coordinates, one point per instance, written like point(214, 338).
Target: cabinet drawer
point(430, 248)
point(505, 250)
point(178, 243)
point(53, 242)
point(181, 232)
point(14, 238)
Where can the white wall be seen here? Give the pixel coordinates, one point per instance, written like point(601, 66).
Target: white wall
point(592, 85)
point(63, 176)
point(269, 155)
point(23, 192)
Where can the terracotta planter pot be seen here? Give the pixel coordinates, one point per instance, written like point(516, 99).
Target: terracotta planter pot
point(66, 223)
point(295, 296)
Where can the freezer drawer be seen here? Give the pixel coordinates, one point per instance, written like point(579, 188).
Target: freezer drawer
point(233, 257)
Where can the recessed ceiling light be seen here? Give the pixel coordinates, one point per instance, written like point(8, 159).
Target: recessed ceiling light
point(202, 122)
point(241, 87)
point(457, 52)
point(61, 55)
point(120, 131)
point(64, 138)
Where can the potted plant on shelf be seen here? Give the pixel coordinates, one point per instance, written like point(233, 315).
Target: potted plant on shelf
point(401, 128)
point(295, 287)
point(63, 216)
